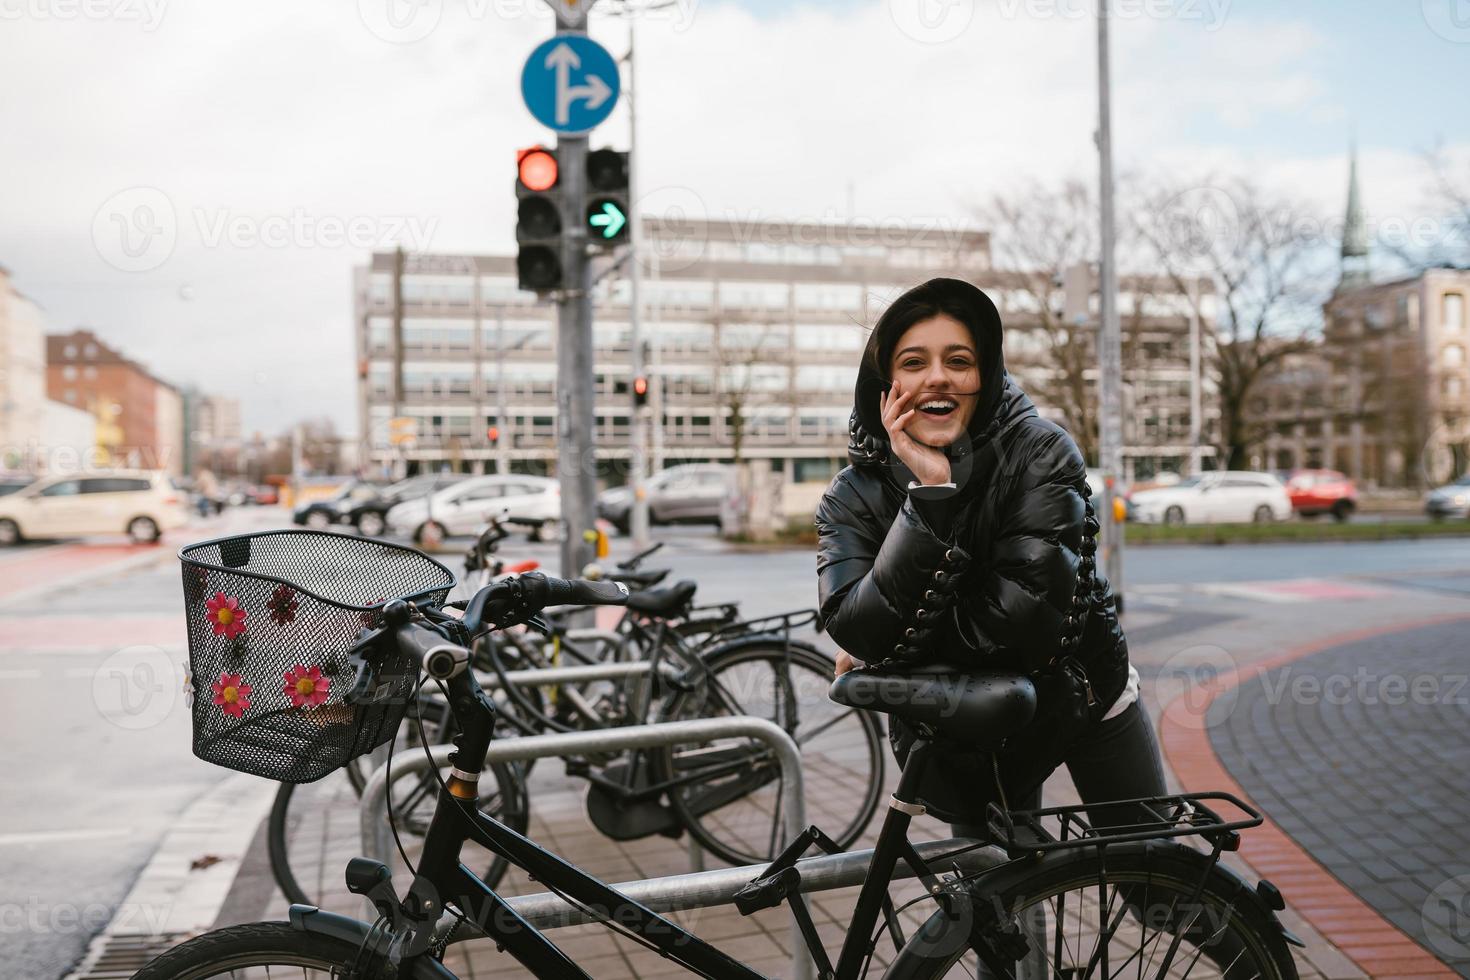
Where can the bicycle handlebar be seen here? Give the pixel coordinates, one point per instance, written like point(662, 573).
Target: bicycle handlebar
point(636, 560)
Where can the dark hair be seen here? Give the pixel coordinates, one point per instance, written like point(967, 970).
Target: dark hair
point(949, 297)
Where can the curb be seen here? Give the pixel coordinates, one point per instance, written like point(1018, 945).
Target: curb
point(186, 882)
point(120, 566)
point(1351, 925)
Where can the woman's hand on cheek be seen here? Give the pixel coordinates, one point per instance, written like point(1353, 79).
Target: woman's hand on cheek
point(929, 465)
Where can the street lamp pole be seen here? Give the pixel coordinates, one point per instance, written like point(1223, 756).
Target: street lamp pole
point(1110, 354)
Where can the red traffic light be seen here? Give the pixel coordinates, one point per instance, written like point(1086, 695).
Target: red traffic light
point(536, 167)
point(494, 433)
point(640, 386)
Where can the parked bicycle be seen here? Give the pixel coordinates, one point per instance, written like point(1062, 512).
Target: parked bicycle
point(1122, 901)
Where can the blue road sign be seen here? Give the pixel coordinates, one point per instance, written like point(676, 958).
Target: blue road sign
point(570, 83)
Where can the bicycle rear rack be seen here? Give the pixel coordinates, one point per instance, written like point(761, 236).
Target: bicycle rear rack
point(1023, 831)
point(782, 623)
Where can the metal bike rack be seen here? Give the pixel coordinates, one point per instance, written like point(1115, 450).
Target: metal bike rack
point(573, 674)
point(377, 840)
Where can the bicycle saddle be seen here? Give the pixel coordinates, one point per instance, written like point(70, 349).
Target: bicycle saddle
point(667, 601)
point(638, 579)
point(980, 708)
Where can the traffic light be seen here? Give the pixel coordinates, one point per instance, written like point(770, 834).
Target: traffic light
point(607, 198)
point(640, 391)
point(538, 220)
point(493, 434)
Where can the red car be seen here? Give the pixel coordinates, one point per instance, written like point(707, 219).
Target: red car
point(1316, 492)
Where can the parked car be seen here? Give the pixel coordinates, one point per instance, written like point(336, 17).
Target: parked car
point(322, 514)
point(1219, 497)
point(14, 483)
point(465, 507)
point(140, 503)
point(690, 493)
point(1315, 492)
point(266, 495)
point(1451, 500)
point(370, 516)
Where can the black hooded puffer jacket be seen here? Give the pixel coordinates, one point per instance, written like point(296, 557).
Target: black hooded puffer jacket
point(998, 589)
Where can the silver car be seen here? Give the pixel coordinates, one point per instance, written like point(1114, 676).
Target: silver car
point(691, 493)
point(1451, 500)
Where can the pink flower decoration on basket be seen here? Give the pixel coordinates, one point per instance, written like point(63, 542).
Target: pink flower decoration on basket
point(282, 604)
point(225, 615)
point(232, 694)
point(306, 687)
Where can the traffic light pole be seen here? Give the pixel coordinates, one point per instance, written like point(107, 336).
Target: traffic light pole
point(576, 452)
point(638, 511)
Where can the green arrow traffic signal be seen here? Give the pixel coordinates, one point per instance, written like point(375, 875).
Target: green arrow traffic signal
point(607, 218)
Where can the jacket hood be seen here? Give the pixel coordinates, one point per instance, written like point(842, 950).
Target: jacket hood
point(1001, 400)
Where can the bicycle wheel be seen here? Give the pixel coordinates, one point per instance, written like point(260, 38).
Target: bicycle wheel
point(1119, 916)
point(727, 791)
point(314, 830)
point(259, 951)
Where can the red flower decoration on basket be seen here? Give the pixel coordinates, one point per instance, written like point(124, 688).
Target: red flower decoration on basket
point(306, 687)
point(283, 604)
point(226, 615)
point(232, 694)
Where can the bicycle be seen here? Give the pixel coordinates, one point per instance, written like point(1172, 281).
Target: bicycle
point(1125, 878)
point(724, 794)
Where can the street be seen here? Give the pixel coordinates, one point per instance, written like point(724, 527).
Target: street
point(93, 686)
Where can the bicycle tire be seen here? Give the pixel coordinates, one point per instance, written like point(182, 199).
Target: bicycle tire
point(506, 778)
point(1162, 869)
point(260, 944)
point(705, 825)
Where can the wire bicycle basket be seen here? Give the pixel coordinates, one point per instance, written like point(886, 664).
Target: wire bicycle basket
point(272, 618)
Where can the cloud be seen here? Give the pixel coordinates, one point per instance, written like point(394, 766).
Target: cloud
point(268, 124)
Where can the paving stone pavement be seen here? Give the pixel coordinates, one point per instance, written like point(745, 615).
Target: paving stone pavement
point(1361, 753)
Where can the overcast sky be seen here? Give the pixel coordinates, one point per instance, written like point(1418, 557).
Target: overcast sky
point(254, 137)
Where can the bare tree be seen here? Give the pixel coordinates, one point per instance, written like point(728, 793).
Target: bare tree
point(1451, 196)
point(741, 350)
point(1270, 276)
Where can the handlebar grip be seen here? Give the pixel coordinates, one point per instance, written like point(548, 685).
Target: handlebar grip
point(440, 658)
point(543, 590)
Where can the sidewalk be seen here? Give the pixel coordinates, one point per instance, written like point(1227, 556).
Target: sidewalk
point(1368, 858)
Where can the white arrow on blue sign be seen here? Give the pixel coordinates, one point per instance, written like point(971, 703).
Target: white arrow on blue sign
point(570, 83)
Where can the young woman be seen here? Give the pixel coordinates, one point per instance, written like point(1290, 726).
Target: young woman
point(962, 534)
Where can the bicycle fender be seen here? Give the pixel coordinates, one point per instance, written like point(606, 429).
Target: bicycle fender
point(308, 918)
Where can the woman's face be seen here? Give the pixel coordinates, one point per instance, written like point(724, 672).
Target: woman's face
point(936, 359)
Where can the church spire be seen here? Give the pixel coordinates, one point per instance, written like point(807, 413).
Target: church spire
point(1354, 230)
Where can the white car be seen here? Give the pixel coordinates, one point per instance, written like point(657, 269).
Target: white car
point(1219, 497)
point(465, 507)
point(139, 503)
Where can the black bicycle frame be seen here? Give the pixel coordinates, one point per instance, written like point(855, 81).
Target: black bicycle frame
point(443, 879)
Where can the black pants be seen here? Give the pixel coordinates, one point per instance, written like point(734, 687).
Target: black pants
point(1117, 759)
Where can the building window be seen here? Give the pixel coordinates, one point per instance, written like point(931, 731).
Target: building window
point(69, 373)
point(1454, 388)
point(1454, 355)
point(1454, 312)
point(69, 352)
